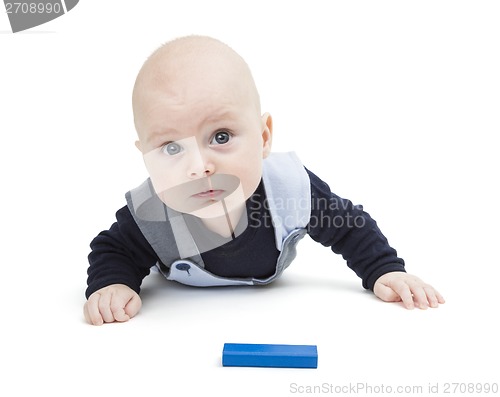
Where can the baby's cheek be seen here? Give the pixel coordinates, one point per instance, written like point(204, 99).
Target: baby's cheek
point(250, 181)
point(158, 172)
point(167, 189)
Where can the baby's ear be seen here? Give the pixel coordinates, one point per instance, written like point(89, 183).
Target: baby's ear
point(138, 145)
point(267, 134)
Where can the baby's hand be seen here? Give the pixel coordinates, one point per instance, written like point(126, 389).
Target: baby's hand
point(413, 292)
point(115, 302)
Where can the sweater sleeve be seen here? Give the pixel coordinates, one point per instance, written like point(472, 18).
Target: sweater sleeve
point(348, 230)
point(120, 255)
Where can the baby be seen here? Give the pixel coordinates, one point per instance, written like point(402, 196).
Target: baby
point(219, 208)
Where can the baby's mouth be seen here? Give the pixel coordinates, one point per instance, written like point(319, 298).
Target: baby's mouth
point(211, 193)
point(194, 195)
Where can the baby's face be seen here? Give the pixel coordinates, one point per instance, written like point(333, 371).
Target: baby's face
point(203, 141)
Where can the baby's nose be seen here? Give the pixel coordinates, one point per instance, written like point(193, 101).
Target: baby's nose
point(196, 174)
point(200, 167)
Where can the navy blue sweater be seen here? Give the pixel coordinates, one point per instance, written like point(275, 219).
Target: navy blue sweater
point(122, 255)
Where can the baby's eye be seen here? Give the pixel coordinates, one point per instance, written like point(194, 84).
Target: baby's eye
point(171, 148)
point(220, 138)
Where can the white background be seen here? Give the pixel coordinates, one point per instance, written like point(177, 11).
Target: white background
point(394, 103)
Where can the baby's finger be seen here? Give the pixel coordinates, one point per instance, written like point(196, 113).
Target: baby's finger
point(91, 310)
point(419, 296)
point(439, 297)
point(403, 290)
point(133, 306)
point(433, 296)
point(118, 311)
point(105, 309)
point(120, 315)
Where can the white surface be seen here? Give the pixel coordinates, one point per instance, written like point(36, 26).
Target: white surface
point(395, 104)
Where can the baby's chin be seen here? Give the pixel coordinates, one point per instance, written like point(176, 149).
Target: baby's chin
point(218, 209)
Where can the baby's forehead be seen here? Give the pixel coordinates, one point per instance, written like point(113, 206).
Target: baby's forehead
point(190, 69)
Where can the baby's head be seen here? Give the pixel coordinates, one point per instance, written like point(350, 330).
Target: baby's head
point(198, 118)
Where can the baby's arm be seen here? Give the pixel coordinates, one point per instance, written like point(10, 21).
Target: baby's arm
point(120, 259)
point(366, 249)
point(115, 302)
point(413, 292)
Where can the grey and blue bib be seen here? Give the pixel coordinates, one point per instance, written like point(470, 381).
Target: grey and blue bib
point(288, 195)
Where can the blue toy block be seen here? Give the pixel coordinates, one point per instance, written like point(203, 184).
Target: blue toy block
point(256, 355)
